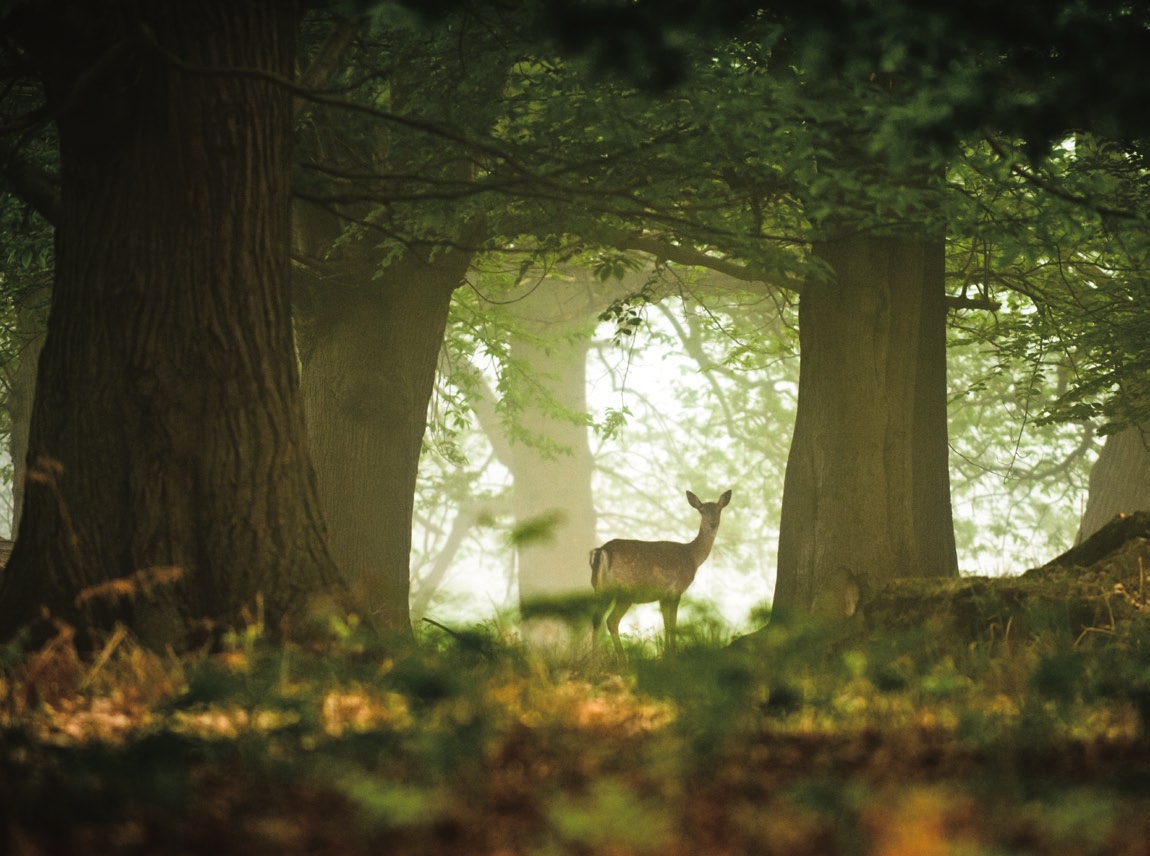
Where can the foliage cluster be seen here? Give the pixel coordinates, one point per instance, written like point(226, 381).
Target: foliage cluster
point(1059, 243)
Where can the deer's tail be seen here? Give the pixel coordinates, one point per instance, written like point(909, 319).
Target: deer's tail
point(600, 564)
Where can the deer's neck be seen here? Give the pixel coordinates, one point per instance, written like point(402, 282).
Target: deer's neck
point(701, 546)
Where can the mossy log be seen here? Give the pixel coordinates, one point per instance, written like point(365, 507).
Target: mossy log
point(1119, 542)
point(1088, 589)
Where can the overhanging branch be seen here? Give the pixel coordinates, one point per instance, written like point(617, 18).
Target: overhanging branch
point(685, 255)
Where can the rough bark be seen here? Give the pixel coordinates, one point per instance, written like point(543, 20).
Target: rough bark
point(867, 493)
point(1119, 480)
point(169, 485)
point(369, 360)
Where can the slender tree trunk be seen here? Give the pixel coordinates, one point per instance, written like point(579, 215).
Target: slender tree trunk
point(31, 323)
point(369, 360)
point(553, 479)
point(867, 492)
point(1119, 480)
point(166, 450)
point(552, 328)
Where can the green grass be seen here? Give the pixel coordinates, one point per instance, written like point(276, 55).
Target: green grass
point(806, 738)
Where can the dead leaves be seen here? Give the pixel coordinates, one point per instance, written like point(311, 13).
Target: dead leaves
point(145, 582)
point(66, 699)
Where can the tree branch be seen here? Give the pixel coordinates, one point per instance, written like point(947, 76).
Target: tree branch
point(958, 301)
point(484, 404)
point(328, 59)
point(664, 250)
point(33, 185)
point(1049, 187)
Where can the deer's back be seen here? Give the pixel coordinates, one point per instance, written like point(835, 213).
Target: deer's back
point(647, 569)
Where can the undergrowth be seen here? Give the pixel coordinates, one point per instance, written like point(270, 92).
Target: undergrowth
point(803, 738)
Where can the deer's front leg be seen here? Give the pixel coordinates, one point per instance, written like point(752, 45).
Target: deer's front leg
point(669, 606)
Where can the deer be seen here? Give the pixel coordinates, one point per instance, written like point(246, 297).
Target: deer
point(625, 572)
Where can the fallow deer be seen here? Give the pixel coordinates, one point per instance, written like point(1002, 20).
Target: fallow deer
point(625, 572)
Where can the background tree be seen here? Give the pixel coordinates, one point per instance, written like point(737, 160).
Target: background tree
point(387, 229)
point(25, 283)
point(1119, 481)
point(535, 415)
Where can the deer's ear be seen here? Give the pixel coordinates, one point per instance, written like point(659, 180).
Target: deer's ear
point(694, 500)
point(724, 499)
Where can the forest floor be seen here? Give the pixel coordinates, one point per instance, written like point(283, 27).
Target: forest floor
point(996, 723)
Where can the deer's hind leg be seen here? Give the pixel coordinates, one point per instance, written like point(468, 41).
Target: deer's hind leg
point(601, 606)
point(613, 618)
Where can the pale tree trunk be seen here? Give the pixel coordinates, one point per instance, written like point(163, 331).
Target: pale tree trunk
point(552, 329)
point(1119, 480)
point(867, 492)
point(166, 448)
point(553, 481)
point(548, 450)
point(369, 356)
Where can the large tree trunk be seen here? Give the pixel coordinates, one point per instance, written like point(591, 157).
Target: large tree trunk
point(369, 359)
point(1119, 480)
point(166, 449)
point(867, 491)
